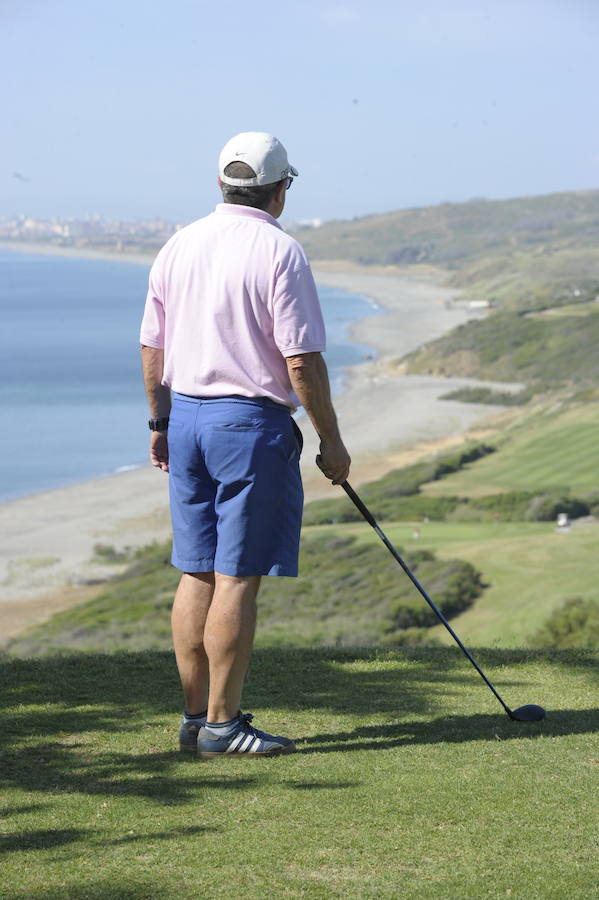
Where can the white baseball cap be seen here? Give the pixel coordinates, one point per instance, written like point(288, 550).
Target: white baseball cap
point(263, 152)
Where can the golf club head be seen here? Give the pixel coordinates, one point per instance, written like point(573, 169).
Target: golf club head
point(528, 713)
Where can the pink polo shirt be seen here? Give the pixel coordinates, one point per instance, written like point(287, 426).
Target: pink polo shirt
point(230, 297)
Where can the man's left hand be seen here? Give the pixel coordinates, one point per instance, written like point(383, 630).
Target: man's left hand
point(159, 450)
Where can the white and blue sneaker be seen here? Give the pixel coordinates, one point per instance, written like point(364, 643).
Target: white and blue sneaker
point(243, 741)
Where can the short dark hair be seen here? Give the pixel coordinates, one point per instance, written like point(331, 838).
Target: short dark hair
point(258, 195)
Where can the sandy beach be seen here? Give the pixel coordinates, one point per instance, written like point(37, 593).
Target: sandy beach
point(47, 548)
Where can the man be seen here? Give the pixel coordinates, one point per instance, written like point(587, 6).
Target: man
point(233, 327)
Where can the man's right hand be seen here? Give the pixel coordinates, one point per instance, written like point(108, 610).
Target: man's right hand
point(159, 450)
point(334, 460)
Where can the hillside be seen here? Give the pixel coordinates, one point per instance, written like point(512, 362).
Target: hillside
point(522, 254)
point(544, 352)
point(338, 600)
point(452, 234)
point(551, 447)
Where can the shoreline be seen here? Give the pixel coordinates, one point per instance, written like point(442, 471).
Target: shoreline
point(134, 259)
point(386, 420)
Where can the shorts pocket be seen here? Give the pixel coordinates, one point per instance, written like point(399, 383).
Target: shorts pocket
point(239, 427)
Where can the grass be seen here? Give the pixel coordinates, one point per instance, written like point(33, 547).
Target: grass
point(527, 568)
point(528, 576)
point(409, 781)
point(544, 461)
point(549, 451)
point(569, 309)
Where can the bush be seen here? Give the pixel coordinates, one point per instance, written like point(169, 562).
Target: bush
point(518, 506)
point(546, 508)
point(510, 505)
point(453, 586)
point(591, 498)
point(489, 396)
point(106, 553)
point(573, 624)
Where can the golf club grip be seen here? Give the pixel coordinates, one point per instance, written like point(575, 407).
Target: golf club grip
point(372, 521)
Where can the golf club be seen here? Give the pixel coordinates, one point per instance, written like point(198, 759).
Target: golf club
point(529, 713)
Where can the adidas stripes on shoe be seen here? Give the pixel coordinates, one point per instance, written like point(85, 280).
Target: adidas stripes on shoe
point(243, 741)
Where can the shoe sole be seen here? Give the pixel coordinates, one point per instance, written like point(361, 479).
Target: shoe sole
point(276, 751)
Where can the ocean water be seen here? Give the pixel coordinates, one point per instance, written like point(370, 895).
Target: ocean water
point(73, 403)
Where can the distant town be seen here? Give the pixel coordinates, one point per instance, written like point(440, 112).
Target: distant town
point(113, 235)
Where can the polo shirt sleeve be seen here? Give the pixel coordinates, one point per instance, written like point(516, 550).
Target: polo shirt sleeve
point(152, 325)
point(298, 323)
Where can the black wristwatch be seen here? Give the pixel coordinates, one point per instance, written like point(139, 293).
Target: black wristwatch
point(158, 424)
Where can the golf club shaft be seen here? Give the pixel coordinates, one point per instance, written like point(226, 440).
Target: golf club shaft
point(372, 521)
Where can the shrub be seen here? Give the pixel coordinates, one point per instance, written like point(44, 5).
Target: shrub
point(573, 624)
point(454, 586)
point(106, 553)
point(546, 508)
point(591, 498)
point(510, 506)
point(489, 396)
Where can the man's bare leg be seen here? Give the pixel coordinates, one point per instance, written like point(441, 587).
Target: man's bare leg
point(228, 640)
point(190, 609)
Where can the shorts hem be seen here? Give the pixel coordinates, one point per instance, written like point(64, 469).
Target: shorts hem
point(245, 570)
point(203, 564)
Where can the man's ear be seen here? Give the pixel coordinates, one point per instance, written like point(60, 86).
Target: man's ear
point(219, 182)
point(280, 194)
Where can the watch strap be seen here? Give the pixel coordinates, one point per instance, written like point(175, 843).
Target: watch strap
point(158, 424)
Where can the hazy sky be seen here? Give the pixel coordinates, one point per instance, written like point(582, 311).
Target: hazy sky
point(120, 108)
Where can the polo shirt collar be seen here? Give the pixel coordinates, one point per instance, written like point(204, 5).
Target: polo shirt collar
point(245, 212)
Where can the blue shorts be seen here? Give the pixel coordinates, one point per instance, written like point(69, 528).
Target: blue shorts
point(235, 487)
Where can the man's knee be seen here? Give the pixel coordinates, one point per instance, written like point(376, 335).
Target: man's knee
point(203, 577)
point(242, 582)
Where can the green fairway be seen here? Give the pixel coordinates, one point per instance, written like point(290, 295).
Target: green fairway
point(557, 451)
point(528, 568)
point(409, 782)
point(528, 576)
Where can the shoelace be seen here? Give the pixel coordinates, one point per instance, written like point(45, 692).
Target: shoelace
point(247, 718)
